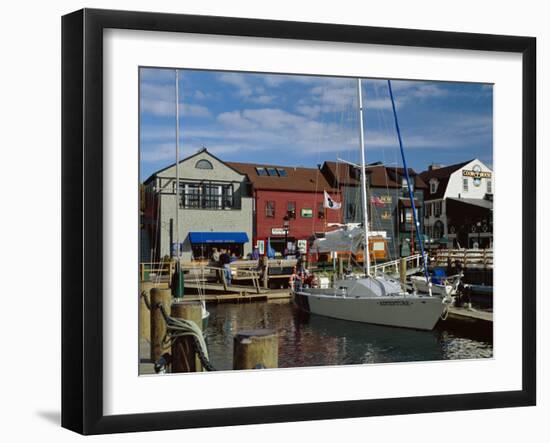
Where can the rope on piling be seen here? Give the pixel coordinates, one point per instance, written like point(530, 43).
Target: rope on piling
point(178, 327)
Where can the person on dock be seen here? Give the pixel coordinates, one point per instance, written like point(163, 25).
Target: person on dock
point(215, 256)
point(225, 260)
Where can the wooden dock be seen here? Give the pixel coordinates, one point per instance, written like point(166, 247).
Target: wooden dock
point(461, 313)
point(241, 297)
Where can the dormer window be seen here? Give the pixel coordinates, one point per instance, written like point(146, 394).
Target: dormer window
point(433, 186)
point(204, 164)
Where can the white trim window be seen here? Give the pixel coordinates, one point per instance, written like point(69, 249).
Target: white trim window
point(433, 186)
point(465, 185)
point(489, 187)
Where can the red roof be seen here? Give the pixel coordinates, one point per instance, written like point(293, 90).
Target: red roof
point(296, 178)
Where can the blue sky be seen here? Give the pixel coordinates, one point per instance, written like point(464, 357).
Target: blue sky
point(304, 120)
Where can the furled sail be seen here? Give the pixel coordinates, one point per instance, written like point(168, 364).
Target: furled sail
point(346, 239)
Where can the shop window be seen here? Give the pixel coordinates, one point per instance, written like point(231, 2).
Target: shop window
point(270, 209)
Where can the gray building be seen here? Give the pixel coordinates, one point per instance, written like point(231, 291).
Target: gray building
point(390, 212)
point(214, 205)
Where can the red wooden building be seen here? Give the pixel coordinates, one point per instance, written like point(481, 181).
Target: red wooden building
point(288, 206)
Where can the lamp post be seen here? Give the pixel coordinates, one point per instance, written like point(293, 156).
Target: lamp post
point(286, 227)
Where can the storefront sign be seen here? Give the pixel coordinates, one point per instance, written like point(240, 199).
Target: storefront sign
point(260, 245)
point(386, 215)
point(307, 213)
point(302, 246)
point(386, 199)
point(477, 174)
point(277, 231)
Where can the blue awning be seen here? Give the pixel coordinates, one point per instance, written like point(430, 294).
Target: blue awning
point(218, 237)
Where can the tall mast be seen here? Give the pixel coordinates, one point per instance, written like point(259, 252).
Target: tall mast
point(366, 253)
point(177, 166)
point(411, 196)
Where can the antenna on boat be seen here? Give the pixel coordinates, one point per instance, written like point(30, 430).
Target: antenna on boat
point(366, 254)
point(411, 196)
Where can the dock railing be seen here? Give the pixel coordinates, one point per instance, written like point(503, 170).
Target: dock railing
point(469, 258)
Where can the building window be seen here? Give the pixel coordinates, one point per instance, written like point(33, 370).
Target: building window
point(350, 212)
point(465, 185)
point(291, 210)
point(428, 209)
point(261, 171)
point(282, 172)
point(437, 209)
point(203, 164)
point(320, 210)
point(433, 187)
point(489, 187)
point(272, 172)
point(270, 209)
point(207, 196)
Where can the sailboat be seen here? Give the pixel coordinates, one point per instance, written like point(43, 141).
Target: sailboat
point(178, 280)
point(368, 298)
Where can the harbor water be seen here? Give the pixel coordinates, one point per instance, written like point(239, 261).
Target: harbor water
point(311, 340)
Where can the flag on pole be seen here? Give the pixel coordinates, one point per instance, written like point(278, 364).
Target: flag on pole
point(330, 203)
point(377, 201)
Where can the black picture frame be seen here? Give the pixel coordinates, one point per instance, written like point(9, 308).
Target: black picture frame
point(82, 188)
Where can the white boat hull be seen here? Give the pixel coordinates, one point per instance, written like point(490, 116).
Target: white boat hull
point(419, 284)
point(405, 311)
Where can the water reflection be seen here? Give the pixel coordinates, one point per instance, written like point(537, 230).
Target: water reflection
point(310, 340)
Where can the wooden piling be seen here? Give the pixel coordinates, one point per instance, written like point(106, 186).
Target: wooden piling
point(265, 272)
point(403, 270)
point(255, 349)
point(144, 314)
point(184, 358)
point(158, 325)
point(340, 267)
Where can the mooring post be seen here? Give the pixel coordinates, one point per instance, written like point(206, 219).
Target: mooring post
point(158, 324)
point(256, 349)
point(144, 314)
point(184, 358)
point(265, 271)
point(340, 267)
point(403, 270)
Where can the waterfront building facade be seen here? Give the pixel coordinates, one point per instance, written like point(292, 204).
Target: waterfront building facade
point(459, 205)
point(288, 206)
point(389, 206)
point(214, 204)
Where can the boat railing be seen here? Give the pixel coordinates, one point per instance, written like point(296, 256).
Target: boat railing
point(392, 267)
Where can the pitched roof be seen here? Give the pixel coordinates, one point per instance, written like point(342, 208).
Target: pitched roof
point(380, 176)
point(200, 151)
point(296, 179)
point(442, 175)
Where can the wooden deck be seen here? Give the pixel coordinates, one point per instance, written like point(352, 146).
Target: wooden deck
point(470, 314)
point(242, 297)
